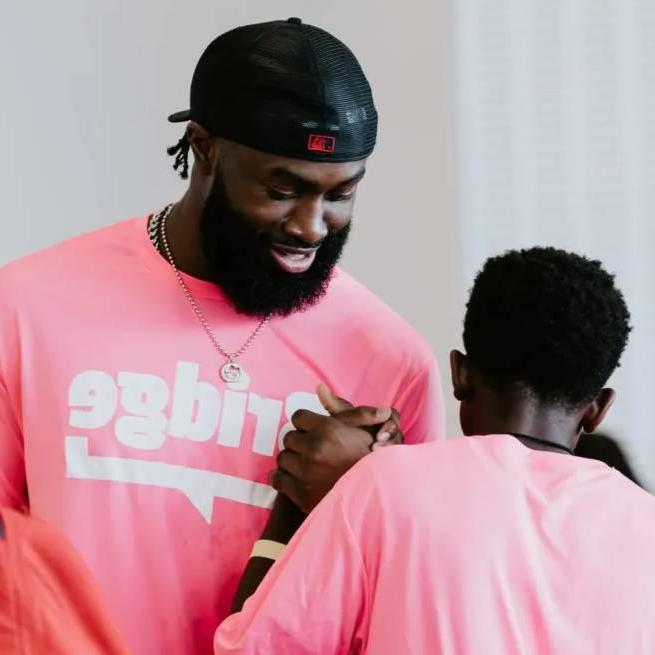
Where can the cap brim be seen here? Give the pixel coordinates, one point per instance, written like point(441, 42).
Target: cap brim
point(180, 116)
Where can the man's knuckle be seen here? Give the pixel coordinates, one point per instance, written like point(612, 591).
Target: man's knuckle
point(318, 456)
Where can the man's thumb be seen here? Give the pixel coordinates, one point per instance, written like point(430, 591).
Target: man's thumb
point(332, 404)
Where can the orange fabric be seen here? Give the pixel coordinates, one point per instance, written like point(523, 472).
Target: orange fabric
point(48, 604)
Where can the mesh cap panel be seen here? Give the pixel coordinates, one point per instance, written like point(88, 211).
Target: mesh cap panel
point(286, 88)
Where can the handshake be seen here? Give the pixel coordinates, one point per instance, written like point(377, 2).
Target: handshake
point(322, 448)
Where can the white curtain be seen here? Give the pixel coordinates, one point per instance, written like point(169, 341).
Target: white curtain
point(556, 146)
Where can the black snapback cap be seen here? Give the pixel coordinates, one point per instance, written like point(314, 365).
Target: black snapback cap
point(286, 88)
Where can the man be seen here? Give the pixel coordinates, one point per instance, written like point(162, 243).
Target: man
point(149, 370)
point(498, 543)
point(48, 600)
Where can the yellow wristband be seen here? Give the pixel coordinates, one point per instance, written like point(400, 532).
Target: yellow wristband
point(267, 548)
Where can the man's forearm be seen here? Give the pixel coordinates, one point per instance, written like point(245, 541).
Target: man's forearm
point(283, 522)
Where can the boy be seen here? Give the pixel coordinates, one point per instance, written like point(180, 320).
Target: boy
point(500, 542)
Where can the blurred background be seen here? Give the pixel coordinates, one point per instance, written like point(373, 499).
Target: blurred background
point(504, 123)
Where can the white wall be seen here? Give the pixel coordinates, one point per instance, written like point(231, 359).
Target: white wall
point(87, 86)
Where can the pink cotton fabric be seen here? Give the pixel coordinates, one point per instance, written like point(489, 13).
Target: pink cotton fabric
point(112, 413)
point(472, 546)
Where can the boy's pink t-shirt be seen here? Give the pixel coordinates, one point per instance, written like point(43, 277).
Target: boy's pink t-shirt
point(473, 546)
point(115, 423)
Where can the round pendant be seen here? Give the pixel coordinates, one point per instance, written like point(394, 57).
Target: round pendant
point(231, 372)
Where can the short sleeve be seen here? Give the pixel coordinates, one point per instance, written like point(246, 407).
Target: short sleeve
point(421, 406)
point(313, 600)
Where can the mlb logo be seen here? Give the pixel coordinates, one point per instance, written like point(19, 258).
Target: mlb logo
point(321, 143)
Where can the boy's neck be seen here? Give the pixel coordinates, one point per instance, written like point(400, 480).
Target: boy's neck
point(516, 413)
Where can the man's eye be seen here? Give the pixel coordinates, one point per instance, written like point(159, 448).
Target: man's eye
point(340, 197)
point(274, 194)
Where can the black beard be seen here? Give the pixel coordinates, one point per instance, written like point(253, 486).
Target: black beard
point(239, 261)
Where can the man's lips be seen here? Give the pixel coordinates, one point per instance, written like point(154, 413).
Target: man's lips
point(293, 260)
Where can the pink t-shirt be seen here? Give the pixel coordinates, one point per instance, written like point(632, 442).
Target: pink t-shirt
point(113, 414)
point(476, 546)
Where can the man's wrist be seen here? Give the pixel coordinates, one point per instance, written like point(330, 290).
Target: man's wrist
point(284, 520)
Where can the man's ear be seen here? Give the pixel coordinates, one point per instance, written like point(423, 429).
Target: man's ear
point(205, 148)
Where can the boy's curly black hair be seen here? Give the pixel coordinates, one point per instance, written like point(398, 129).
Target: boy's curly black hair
point(547, 320)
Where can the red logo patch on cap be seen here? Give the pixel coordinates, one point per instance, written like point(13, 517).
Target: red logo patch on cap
point(321, 143)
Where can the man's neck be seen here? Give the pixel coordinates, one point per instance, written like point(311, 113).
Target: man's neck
point(183, 233)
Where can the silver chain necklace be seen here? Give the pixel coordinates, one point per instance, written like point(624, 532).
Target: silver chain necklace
point(231, 372)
